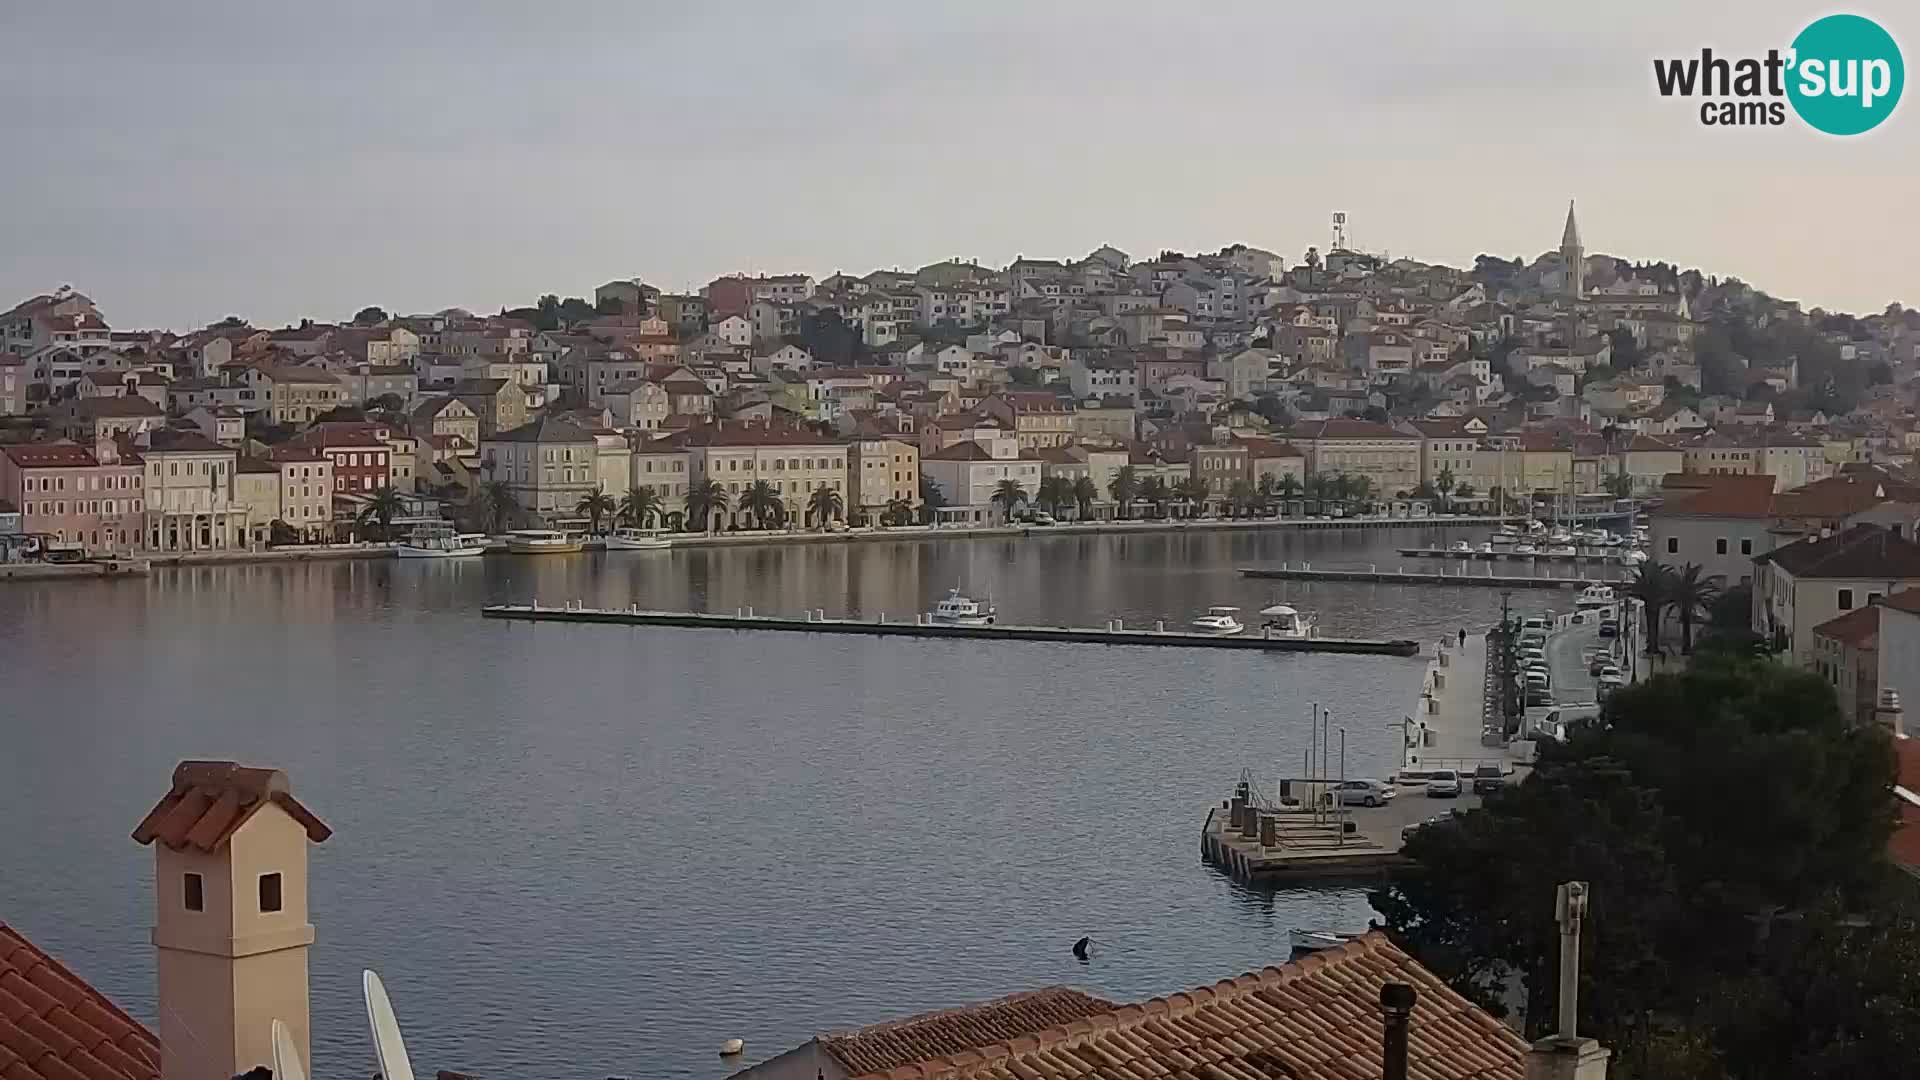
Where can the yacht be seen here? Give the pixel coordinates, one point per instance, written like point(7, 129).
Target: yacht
point(1461, 547)
point(544, 542)
point(1525, 549)
point(1217, 620)
point(1287, 622)
point(438, 541)
point(959, 609)
point(1594, 596)
point(636, 540)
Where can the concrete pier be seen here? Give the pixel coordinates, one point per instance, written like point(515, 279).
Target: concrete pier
point(916, 626)
point(1397, 576)
point(102, 568)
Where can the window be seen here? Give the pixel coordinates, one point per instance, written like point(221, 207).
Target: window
point(269, 892)
point(1720, 546)
point(195, 897)
point(1673, 545)
point(1746, 547)
point(1846, 599)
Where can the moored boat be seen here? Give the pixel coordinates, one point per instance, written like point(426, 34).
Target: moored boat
point(959, 609)
point(1595, 596)
point(437, 541)
point(544, 542)
point(636, 540)
point(1284, 620)
point(1218, 620)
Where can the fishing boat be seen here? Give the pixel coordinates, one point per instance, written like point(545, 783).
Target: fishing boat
point(544, 542)
point(437, 541)
point(959, 609)
point(1218, 620)
point(636, 540)
point(1286, 621)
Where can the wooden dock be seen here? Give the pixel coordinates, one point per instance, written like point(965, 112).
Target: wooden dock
point(1596, 556)
point(1376, 576)
point(916, 626)
point(1265, 847)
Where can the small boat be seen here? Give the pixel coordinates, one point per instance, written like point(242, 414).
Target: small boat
point(544, 542)
point(1218, 620)
point(1461, 547)
point(1505, 534)
point(437, 541)
point(1634, 557)
point(1594, 596)
point(1286, 621)
point(1559, 535)
point(959, 609)
point(1312, 941)
point(1526, 549)
point(1484, 549)
point(636, 540)
point(1561, 550)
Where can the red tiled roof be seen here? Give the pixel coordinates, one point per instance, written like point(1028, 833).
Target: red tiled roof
point(54, 455)
point(1707, 495)
point(210, 800)
point(53, 1026)
point(1314, 1019)
point(880, 1047)
point(1346, 429)
point(1859, 552)
point(1857, 628)
point(1903, 847)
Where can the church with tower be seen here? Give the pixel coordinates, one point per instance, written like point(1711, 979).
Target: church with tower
point(1573, 257)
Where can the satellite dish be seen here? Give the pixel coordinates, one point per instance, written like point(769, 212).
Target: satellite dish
point(387, 1045)
point(286, 1056)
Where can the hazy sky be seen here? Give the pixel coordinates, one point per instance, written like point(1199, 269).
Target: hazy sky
point(184, 161)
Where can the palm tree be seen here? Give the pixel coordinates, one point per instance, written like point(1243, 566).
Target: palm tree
point(761, 500)
point(1443, 486)
point(1008, 495)
point(704, 499)
point(1359, 492)
point(641, 506)
point(382, 507)
point(1464, 491)
point(596, 505)
point(897, 512)
point(1620, 485)
point(1124, 487)
point(1054, 493)
point(1083, 493)
point(498, 505)
point(1156, 494)
point(1289, 488)
point(1241, 497)
point(1192, 491)
point(825, 505)
point(1651, 586)
point(1692, 595)
point(931, 499)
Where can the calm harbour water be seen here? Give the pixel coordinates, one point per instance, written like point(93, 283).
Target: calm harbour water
point(577, 851)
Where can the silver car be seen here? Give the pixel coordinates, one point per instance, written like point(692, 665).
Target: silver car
point(1363, 792)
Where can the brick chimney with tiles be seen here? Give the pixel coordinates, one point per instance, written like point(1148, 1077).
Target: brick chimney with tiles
point(230, 917)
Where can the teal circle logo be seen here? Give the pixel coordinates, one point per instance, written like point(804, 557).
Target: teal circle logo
point(1846, 74)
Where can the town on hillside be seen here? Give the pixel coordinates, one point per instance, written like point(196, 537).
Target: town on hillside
point(1233, 383)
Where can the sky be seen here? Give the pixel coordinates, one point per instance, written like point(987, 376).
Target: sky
point(184, 162)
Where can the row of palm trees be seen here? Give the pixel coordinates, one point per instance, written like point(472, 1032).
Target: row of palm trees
point(1688, 591)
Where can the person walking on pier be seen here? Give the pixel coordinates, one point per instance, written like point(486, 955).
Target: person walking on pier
point(1463, 637)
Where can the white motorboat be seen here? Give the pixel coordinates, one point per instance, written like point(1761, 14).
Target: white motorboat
point(1461, 547)
point(636, 540)
point(1559, 535)
point(959, 609)
point(1525, 549)
point(1505, 534)
point(1634, 557)
point(1312, 941)
point(1562, 550)
point(1286, 621)
point(437, 541)
point(1485, 549)
point(1218, 620)
point(1595, 596)
point(544, 542)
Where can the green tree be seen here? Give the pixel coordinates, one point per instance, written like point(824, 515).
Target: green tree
point(597, 506)
point(1054, 493)
point(1124, 488)
point(1464, 491)
point(704, 500)
point(825, 505)
point(369, 316)
point(1009, 495)
point(1192, 493)
point(382, 507)
point(931, 499)
point(1156, 494)
point(1289, 488)
point(1691, 595)
point(1652, 585)
point(1241, 497)
point(897, 512)
point(1620, 485)
point(1444, 485)
point(1084, 492)
point(497, 506)
point(641, 506)
point(761, 501)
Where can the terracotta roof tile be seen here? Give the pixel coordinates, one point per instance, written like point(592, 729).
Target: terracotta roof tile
point(881, 1047)
point(1859, 628)
point(1866, 552)
point(211, 799)
point(53, 1026)
point(1315, 1019)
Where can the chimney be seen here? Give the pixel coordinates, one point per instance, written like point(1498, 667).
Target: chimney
point(230, 917)
point(1396, 1009)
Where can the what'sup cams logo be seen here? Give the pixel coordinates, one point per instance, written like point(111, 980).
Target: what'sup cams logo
point(1842, 75)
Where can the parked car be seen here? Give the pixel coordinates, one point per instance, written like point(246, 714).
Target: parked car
point(1443, 784)
point(1609, 671)
point(1598, 663)
point(1610, 628)
point(1537, 696)
point(1488, 779)
point(1363, 792)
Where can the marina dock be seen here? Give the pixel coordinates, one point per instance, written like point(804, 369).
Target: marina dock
point(1375, 576)
point(815, 622)
point(1597, 556)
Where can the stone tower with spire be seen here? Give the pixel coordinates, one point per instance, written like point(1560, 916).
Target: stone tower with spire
point(1573, 256)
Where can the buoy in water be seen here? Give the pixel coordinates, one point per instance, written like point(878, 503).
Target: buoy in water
point(733, 1047)
point(1080, 947)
